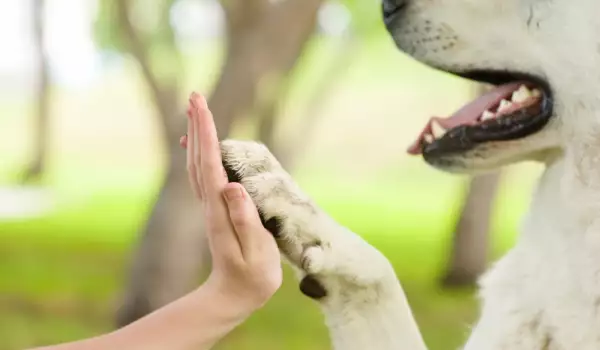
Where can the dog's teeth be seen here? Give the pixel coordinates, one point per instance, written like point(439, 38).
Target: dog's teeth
point(437, 130)
point(429, 138)
point(487, 115)
point(536, 93)
point(521, 95)
point(504, 105)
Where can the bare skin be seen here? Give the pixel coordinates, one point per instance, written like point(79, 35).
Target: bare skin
point(246, 261)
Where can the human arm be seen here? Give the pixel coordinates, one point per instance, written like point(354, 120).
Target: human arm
point(196, 321)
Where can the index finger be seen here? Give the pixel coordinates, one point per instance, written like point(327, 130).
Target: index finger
point(210, 152)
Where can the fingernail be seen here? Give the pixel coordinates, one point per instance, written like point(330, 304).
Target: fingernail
point(198, 100)
point(233, 193)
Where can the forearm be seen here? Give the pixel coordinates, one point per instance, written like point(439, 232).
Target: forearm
point(196, 321)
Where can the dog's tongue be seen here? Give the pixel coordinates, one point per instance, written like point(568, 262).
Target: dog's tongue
point(467, 115)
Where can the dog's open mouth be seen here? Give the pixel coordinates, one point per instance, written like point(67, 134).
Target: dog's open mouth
point(516, 107)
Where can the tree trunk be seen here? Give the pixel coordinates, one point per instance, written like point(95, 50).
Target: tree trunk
point(169, 256)
point(289, 152)
point(264, 43)
point(471, 237)
point(40, 140)
point(168, 261)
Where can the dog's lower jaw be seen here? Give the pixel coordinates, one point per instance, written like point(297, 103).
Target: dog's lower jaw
point(378, 318)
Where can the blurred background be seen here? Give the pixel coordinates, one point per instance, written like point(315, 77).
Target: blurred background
point(96, 228)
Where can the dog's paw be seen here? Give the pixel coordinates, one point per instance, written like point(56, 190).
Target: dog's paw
point(328, 258)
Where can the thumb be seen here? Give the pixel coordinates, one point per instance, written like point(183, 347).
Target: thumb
point(244, 217)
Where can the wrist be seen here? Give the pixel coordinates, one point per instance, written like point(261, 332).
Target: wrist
point(233, 302)
point(176, 325)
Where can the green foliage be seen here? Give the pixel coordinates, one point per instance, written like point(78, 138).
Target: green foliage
point(366, 17)
point(150, 18)
point(152, 29)
point(107, 31)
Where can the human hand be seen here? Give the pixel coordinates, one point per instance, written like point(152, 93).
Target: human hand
point(246, 263)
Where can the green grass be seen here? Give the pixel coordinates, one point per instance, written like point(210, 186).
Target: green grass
point(56, 288)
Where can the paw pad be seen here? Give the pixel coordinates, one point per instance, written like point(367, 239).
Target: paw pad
point(272, 225)
point(312, 288)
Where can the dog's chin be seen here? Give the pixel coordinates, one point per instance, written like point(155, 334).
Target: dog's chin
point(492, 156)
point(471, 163)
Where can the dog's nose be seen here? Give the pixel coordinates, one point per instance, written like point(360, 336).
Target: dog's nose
point(392, 7)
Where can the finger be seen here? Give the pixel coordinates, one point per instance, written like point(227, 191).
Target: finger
point(196, 160)
point(222, 238)
point(183, 140)
point(210, 151)
point(245, 219)
point(191, 167)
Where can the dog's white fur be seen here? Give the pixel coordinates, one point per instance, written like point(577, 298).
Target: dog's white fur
point(365, 307)
point(545, 293)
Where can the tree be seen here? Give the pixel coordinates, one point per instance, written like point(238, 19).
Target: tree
point(471, 238)
point(264, 40)
point(287, 153)
point(37, 164)
point(363, 22)
point(169, 251)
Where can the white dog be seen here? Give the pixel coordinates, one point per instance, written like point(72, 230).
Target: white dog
point(543, 56)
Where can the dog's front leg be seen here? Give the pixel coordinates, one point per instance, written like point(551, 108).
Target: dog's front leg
point(355, 285)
